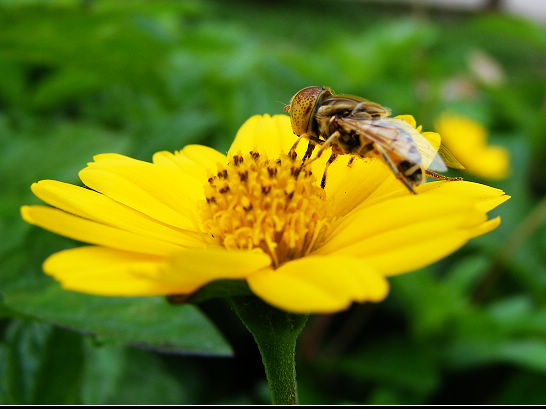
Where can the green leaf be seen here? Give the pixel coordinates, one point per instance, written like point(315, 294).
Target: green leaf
point(12, 84)
point(42, 364)
point(126, 376)
point(393, 362)
point(71, 146)
point(528, 353)
point(33, 353)
point(63, 86)
point(523, 387)
point(105, 366)
point(466, 273)
point(148, 322)
point(21, 358)
point(5, 393)
point(218, 289)
point(62, 356)
point(5, 312)
point(517, 315)
point(429, 303)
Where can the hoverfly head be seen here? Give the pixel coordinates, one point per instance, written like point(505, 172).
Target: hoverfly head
point(302, 106)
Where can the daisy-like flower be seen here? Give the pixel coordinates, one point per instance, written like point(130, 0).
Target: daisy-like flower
point(467, 139)
point(255, 214)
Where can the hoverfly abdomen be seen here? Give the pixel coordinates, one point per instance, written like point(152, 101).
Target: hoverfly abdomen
point(366, 148)
point(411, 172)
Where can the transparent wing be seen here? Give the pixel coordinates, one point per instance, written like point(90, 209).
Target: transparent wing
point(436, 141)
point(449, 159)
point(397, 136)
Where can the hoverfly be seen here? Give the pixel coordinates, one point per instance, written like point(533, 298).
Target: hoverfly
point(354, 125)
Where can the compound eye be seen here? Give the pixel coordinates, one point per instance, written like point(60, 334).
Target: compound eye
point(301, 108)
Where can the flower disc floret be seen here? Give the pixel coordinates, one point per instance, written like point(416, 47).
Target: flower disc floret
point(275, 205)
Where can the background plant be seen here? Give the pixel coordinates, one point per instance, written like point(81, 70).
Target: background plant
point(85, 77)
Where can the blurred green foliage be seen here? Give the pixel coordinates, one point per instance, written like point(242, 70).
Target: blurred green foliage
point(78, 78)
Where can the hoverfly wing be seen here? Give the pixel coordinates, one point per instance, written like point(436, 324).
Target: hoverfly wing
point(428, 154)
point(437, 164)
point(445, 154)
point(449, 159)
point(399, 137)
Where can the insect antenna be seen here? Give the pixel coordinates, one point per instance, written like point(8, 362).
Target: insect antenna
point(286, 107)
point(434, 175)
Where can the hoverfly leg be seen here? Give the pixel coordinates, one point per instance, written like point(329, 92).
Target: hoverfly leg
point(333, 157)
point(434, 175)
point(408, 186)
point(308, 152)
point(350, 163)
point(331, 139)
point(396, 172)
point(293, 148)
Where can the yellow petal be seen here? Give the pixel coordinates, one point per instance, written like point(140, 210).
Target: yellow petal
point(203, 155)
point(152, 178)
point(88, 231)
point(347, 187)
point(484, 197)
point(196, 267)
point(391, 214)
point(408, 118)
point(414, 255)
point(389, 188)
point(164, 194)
point(319, 284)
point(459, 132)
point(170, 161)
point(408, 232)
point(271, 135)
point(378, 238)
point(491, 163)
point(467, 139)
point(196, 160)
point(95, 206)
point(485, 227)
point(105, 271)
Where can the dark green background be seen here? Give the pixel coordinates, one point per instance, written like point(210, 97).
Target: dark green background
point(79, 78)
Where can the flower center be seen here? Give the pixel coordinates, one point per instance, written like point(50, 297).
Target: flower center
point(275, 205)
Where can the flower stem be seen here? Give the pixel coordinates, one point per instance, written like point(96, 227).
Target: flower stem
point(275, 333)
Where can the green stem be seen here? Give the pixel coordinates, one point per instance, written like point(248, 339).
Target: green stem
point(275, 333)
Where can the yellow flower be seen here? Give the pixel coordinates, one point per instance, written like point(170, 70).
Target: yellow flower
point(188, 218)
point(467, 140)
